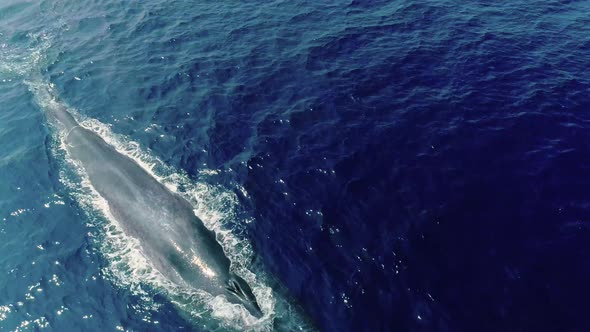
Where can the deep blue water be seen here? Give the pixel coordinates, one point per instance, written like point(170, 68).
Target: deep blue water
point(392, 165)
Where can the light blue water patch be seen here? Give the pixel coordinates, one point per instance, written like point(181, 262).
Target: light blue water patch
point(53, 275)
point(62, 252)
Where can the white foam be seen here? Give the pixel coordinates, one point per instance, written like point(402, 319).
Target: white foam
point(4, 311)
point(16, 62)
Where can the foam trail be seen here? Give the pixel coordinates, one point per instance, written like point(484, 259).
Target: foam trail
point(215, 205)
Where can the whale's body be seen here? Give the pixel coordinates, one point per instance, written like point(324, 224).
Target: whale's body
point(171, 236)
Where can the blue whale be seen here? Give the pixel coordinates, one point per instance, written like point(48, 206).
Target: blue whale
point(175, 241)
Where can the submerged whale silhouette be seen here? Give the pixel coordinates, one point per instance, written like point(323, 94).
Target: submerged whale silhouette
point(171, 236)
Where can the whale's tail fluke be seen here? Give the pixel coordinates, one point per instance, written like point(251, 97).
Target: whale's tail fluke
point(239, 289)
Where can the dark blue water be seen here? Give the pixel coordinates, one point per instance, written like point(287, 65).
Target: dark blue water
point(385, 165)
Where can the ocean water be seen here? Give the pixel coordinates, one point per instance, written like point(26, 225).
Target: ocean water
point(368, 165)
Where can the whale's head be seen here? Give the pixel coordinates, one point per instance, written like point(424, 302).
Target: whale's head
point(239, 291)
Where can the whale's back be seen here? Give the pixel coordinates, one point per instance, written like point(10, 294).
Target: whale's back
point(172, 237)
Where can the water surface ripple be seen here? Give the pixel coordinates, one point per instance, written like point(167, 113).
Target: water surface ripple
point(383, 165)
